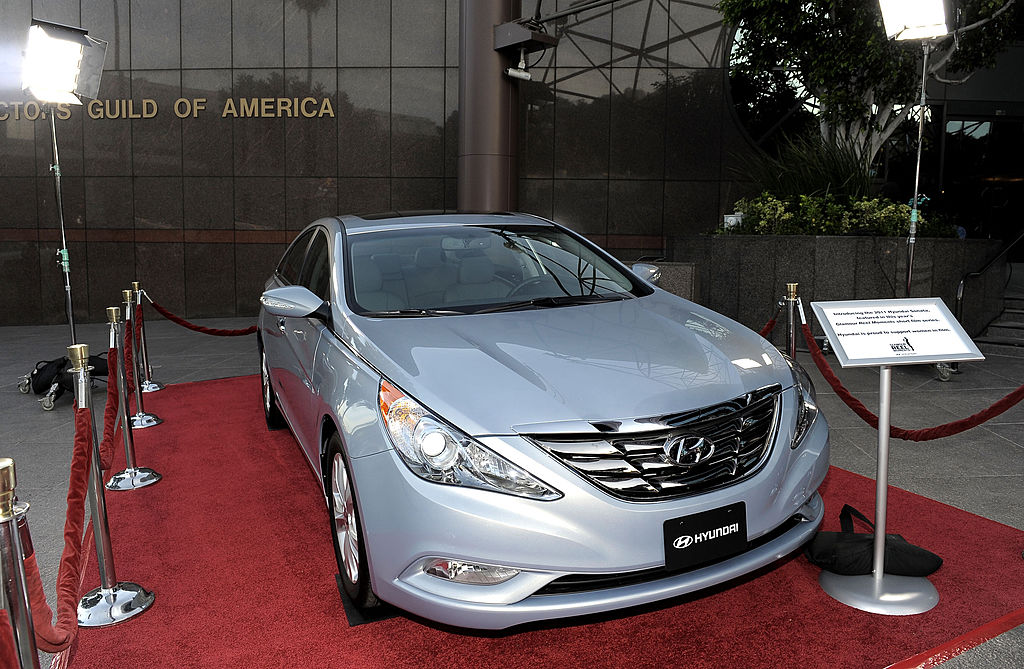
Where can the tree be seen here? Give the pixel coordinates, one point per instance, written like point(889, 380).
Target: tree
point(834, 55)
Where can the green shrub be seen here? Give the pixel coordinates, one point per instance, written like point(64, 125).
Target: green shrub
point(829, 214)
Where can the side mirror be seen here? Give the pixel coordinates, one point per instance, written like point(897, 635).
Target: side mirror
point(294, 302)
point(649, 273)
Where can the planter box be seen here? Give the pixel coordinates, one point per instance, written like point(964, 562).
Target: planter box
point(743, 276)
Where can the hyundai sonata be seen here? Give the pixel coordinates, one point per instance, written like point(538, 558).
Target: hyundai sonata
point(509, 425)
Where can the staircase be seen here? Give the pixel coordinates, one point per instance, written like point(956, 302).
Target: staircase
point(1008, 329)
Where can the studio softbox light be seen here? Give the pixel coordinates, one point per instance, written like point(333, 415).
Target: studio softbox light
point(62, 63)
point(914, 19)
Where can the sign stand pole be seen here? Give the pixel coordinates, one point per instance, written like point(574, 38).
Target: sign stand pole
point(879, 592)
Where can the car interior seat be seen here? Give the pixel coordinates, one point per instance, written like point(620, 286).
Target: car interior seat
point(477, 283)
point(430, 277)
point(368, 287)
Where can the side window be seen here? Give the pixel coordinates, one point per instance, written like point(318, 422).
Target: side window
point(291, 264)
point(316, 275)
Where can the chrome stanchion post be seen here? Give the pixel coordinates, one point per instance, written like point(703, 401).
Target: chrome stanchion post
point(112, 602)
point(131, 477)
point(141, 419)
point(147, 384)
point(791, 298)
point(13, 587)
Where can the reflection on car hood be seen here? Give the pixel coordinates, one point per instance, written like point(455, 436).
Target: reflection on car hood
point(493, 373)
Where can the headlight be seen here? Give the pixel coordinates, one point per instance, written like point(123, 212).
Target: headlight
point(807, 408)
point(437, 452)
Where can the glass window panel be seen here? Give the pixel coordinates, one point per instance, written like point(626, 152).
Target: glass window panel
point(418, 33)
point(206, 134)
point(257, 34)
point(639, 33)
point(364, 33)
point(581, 123)
point(364, 122)
point(291, 262)
point(156, 35)
point(206, 33)
point(259, 141)
point(585, 37)
point(316, 274)
point(156, 141)
point(696, 35)
point(417, 118)
point(108, 20)
point(311, 33)
point(638, 107)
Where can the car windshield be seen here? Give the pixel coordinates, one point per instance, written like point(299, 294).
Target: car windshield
point(450, 270)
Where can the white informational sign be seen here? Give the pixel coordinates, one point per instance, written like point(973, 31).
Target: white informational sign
point(867, 333)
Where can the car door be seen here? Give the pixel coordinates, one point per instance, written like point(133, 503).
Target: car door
point(303, 335)
point(284, 369)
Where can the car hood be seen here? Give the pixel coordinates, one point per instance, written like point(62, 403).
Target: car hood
point(529, 371)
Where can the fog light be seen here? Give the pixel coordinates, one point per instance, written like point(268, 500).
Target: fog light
point(468, 572)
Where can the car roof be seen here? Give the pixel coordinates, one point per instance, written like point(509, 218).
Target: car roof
point(416, 219)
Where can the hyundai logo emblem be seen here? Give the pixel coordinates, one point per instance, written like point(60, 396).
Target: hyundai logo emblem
point(689, 450)
point(682, 542)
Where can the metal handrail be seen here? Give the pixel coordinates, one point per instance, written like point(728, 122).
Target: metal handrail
point(979, 273)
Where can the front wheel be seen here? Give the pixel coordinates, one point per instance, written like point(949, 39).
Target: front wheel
point(271, 412)
point(346, 530)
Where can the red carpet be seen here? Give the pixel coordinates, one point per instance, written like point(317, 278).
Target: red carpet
point(234, 542)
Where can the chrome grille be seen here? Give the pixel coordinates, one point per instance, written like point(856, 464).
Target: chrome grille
point(683, 454)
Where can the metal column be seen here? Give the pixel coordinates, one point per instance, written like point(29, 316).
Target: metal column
point(488, 178)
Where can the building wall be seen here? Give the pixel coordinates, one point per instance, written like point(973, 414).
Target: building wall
point(624, 138)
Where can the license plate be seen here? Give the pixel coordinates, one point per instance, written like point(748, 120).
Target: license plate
point(705, 537)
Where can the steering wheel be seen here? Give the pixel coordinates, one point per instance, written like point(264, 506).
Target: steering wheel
point(532, 281)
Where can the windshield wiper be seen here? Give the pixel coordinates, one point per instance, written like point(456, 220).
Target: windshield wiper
point(413, 312)
point(555, 301)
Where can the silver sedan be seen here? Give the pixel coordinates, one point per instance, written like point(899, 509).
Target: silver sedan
point(509, 425)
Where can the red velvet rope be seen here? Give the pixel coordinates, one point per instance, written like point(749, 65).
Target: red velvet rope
point(54, 637)
point(925, 434)
point(138, 323)
point(199, 328)
point(8, 653)
point(110, 412)
point(768, 327)
point(129, 356)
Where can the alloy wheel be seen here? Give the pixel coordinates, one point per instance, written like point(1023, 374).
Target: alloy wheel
point(345, 518)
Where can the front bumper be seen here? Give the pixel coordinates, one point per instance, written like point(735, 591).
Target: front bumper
point(542, 607)
point(407, 520)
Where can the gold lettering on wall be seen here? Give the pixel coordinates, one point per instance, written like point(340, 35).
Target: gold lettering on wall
point(122, 108)
point(31, 111)
point(185, 107)
point(125, 108)
point(277, 108)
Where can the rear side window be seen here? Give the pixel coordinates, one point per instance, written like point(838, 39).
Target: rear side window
point(291, 264)
point(317, 273)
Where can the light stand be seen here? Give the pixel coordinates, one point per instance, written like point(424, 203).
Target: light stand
point(927, 47)
point(61, 64)
point(62, 253)
point(923, 20)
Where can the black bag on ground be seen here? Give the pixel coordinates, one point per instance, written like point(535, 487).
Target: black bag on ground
point(852, 554)
point(45, 373)
point(48, 372)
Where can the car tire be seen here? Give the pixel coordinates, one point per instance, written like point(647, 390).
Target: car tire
point(346, 527)
point(271, 411)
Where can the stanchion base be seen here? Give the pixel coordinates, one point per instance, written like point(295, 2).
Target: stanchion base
point(102, 606)
point(143, 420)
point(890, 596)
point(132, 478)
point(151, 386)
